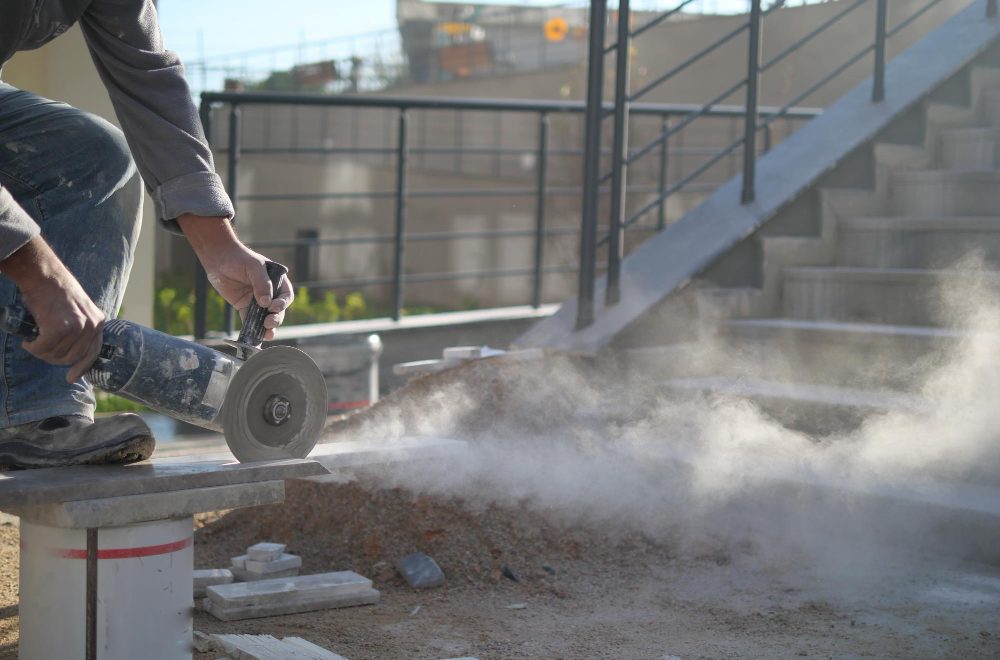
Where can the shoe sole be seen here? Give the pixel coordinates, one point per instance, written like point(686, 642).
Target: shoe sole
point(133, 450)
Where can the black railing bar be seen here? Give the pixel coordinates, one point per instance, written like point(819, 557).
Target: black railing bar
point(811, 35)
point(565, 107)
point(302, 197)
point(677, 128)
point(424, 237)
point(320, 151)
point(698, 171)
point(686, 63)
point(417, 194)
point(649, 25)
point(420, 278)
point(430, 103)
point(417, 278)
point(836, 72)
point(917, 14)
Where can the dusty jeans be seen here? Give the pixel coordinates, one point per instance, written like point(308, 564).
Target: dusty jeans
point(72, 172)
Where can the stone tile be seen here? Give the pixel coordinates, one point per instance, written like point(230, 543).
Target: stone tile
point(244, 575)
point(265, 551)
point(209, 577)
point(240, 562)
point(295, 606)
point(305, 645)
point(282, 563)
point(279, 590)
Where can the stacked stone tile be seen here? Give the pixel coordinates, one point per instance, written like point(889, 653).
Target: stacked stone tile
point(265, 561)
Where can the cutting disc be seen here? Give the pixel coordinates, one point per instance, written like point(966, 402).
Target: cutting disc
point(275, 406)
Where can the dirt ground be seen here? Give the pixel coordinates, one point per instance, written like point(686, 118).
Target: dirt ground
point(633, 601)
point(585, 586)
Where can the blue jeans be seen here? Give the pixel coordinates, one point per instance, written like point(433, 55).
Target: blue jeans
point(73, 173)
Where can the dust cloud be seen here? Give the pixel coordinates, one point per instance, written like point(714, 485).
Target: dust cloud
point(608, 447)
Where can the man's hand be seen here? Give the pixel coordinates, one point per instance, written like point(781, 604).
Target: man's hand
point(236, 271)
point(70, 325)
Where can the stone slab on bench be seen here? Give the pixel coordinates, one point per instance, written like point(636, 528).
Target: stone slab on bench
point(130, 509)
point(20, 488)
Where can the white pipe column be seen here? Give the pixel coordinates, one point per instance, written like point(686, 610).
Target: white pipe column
point(144, 591)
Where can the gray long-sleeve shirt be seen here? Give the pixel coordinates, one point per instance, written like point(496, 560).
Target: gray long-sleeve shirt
point(151, 98)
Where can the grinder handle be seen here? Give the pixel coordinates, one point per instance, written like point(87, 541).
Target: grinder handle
point(252, 332)
point(16, 320)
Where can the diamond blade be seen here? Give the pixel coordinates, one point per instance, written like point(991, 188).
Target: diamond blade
point(275, 406)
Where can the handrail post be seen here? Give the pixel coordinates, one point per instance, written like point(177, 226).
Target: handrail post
point(619, 159)
point(991, 8)
point(661, 214)
point(235, 149)
point(397, 269)
point(878, 79)
point(751, 117)
point(541, 164)
point(591, 164)
point(200, 276)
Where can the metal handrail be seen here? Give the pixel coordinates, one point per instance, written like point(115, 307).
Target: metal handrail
point(755, 121)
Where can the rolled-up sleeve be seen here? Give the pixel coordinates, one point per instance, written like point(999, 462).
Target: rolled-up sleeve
point(16, 226)
point(154, 106)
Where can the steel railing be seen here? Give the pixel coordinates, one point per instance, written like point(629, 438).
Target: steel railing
point(402, 152)
point(755, 119)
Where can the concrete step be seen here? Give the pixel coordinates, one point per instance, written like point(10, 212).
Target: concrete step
point(929, 242)
point(865, 355)
point(810, 408)
point(876, 295)
point(991, 107)
point(976, 148)
point(945, 192)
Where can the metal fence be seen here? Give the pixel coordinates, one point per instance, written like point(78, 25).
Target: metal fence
point(400, 155)
point(756, 120)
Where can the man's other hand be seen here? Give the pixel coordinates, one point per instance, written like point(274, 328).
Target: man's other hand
point(236, 271)
point(69, 324)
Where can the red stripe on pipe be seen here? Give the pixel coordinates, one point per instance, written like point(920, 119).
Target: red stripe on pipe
point(346, 405)
point(125, 553)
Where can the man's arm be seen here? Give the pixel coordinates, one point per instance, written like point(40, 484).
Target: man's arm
point(146, 85)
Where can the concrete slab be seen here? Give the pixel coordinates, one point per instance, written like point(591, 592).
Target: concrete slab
point(129, 509)
point(239, 562)
point(283, 563)
point(366, 597)
point(265, 551)
point(265, 592)
point(88, 482)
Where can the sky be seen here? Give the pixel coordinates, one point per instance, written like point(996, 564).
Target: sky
point(232, 26)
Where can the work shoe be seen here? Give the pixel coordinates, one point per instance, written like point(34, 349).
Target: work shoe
point(76, 440)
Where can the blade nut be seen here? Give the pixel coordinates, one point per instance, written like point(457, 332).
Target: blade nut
point(277, 410)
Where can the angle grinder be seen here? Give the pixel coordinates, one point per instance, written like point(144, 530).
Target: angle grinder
point(270, 403)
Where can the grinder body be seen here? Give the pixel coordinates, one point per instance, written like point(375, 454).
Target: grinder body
point(270, 404)
point(179, 378)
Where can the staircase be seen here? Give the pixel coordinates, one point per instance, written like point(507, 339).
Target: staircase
point(852, 321)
